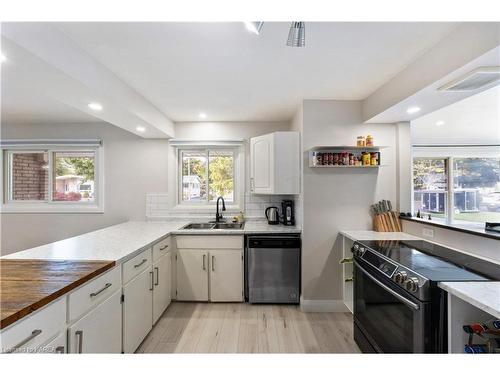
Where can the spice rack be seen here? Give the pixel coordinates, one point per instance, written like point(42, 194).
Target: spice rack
point(357, 151)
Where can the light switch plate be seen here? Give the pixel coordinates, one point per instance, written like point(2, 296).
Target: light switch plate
point(427, 232)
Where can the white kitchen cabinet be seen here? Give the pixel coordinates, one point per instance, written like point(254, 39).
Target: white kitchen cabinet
point(100, 330)
point(192, 275)
point(275, 163)
point(55, 346)
point(162, 285)
point(31, 333)
point(137, 310)
point(226, 275)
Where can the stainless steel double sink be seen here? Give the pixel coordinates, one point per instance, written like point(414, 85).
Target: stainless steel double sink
point(214, 226)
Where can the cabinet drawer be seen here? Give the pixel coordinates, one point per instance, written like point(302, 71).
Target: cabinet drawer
point(92, 293)
point(209, 242)
point(30, 333)
point(134, 266)
point(161, 248)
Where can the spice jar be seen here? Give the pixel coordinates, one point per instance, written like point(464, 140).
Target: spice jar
point(374, 158)
point(366, 158)
point(360, 141)
point(369, 141)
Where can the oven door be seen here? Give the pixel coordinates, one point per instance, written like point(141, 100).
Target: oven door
point(391, 320)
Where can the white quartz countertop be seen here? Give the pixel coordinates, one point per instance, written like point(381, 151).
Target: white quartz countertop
point(485, 295)
point(370, 235)
point(121, 242)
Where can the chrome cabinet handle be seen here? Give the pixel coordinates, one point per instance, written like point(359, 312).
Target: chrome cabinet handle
point(60, 350)
point(204, 267)
point(164, 247)
point(80, 341)
point(34, 334)
point(389, 290)
point(140, 264)
point(213, 263)
point(152, 281)
point(157, 276)
point(93, 294)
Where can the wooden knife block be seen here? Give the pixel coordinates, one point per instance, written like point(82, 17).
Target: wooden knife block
point(387, 222)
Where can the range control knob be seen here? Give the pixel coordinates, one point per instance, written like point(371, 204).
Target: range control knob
point(411, 284)
point(355, 248)
point(400, 277)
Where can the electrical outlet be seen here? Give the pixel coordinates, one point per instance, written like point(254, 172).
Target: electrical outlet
point(427, 232)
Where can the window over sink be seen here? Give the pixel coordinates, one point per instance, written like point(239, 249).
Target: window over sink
point(208, 171)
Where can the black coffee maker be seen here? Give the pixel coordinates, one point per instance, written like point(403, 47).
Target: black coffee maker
point(288, 212)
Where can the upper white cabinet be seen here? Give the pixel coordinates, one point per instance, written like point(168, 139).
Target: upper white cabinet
point(275, 163)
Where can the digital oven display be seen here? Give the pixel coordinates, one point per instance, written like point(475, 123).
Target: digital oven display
point(384, 266)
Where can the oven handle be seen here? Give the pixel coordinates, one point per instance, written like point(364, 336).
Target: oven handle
point(406, 301)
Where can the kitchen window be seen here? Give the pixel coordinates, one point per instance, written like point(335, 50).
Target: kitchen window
point(60, 177)
point(206, 172)
point(457, 184)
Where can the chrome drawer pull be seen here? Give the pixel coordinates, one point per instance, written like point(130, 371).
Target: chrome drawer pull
point(140, 264)
point(157, 276)
point(152, 281)
point(80, 341)
point(101, 290)
point(60, 350)
point(213, 263)
point(164, 247)
point(203, 265)
point(34, 334)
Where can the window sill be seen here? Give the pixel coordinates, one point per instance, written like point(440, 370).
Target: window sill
point(205, 209)
point(51, 209)
point(476, 229)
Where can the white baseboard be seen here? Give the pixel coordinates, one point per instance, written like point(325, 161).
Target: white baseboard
point(323, 305)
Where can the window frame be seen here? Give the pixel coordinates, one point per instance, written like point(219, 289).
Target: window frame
point(238, 176)
point(10, 205)
point(448, 153)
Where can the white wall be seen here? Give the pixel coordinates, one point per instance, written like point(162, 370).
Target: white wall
point(133, 166)
point(335, 199)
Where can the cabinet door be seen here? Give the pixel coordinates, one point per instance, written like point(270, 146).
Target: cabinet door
point(100, 331)
point(162, 282)
point(262, 164)
point(55, 346)
point(137, 310)
point(192, 275)
point(226, 275)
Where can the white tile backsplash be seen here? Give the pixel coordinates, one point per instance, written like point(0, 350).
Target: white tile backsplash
point(157, 206)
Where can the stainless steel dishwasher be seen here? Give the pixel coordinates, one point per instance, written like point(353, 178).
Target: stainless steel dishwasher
point(273, 269)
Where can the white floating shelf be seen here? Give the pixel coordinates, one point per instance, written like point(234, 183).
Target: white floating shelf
point(347, 166)
point(348, 148)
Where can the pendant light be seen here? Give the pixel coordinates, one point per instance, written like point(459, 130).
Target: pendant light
point(297, 35)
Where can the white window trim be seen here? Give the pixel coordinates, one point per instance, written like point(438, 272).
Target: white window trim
point(9, 206)
point(449, 153)
point(239, 175)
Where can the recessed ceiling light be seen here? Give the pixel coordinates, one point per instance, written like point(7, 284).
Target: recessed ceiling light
point(140, 129)
point(2, 57)
point(202, 115)
point(95, 106)
point(254, 27)
point(412, 110)
point(440, 123)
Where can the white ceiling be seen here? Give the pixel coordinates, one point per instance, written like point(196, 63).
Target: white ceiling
point(474, 120)
point(221, 69)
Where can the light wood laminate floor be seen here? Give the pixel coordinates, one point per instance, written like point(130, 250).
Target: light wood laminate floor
point(188, 327)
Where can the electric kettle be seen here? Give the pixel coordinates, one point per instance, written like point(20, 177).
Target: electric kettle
point(272, 215)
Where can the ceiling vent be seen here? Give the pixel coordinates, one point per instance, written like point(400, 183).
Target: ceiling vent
point(476, 79)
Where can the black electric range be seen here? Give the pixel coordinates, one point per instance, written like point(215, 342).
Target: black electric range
point(398, 307)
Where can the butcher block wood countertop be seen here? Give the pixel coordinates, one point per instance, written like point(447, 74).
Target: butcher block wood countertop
point(27, 285)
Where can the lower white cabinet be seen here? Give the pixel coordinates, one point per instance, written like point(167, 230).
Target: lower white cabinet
point(226, 275)
point(100, 330)
point(213, 275)
point(137, 310)
point(162, 275)
point(192, 275)
point(55, 346)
